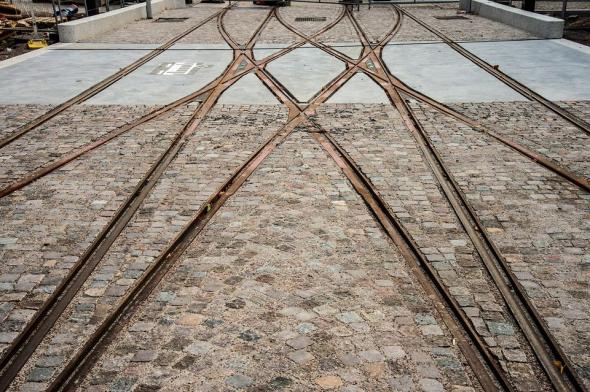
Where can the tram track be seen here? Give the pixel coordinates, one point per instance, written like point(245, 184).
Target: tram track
point(18, 353)
point(540, 339)
point(501, 76)
point(490, 374)
point(103, 84)
point(480, 358)
point(526, 316)
point(29, 339)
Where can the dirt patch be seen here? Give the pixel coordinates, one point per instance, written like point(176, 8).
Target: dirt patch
point(578, 29)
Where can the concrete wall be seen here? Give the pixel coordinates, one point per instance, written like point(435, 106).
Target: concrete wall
point(541, 25)
point(84, 28)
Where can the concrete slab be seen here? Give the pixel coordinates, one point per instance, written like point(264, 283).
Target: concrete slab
point(168, 77)
point(556, 69)
point(540, 25)
point(305, 71)
point(440, 72)
point(53, 76)
point(359, 89)
point(249, 90)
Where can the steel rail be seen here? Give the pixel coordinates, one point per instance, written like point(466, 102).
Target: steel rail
point(512, 292)
point(102, 85)
point(81, 363)
point(435, 288)
point(32, 335)
point(80, 151)
point(511, 289)
point(18, 353)
point(504, 78)
point(423, 271)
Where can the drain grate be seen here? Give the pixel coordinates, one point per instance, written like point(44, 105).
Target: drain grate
point(311, 19)
point(451, 17)
point(170, 20)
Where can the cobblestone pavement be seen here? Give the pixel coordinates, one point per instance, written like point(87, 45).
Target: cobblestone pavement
point(13, 116)
point(375, 22)
point(534, 126)
point(539, 222)
point(72, 128)
point(47, 225)
point(225, 140)
point(474, 28)
point(377, 139)
point(292, 285)
point(153, 32)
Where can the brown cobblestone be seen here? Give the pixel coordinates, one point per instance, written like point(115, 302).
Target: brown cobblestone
point(475, 28)
point(14, 116)
point(539, 222)
point(298, 222)
point(152, 32)
point(72, 128)
point(224, 141)
point(47, 225)
point(536, 127)
point(377, 139)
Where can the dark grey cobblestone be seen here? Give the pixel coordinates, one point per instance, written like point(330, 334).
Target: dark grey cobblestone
point(224, 141)
point(377, 139)
point(539, 221)
point(475, 28)
point(536, 127)
point(13, 116)
point(48, 224)
point(297, 245)
point(73, 128)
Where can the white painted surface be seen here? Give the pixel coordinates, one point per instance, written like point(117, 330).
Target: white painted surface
point(359, 89)
point(248, 90)
point(441, 73)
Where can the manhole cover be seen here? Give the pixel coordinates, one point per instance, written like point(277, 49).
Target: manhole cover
point(311, 19)
point(170, 20)
point(450, 17)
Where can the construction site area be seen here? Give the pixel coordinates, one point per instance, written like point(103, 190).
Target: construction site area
point(295, 196)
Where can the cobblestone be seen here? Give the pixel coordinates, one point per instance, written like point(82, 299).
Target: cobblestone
point(13, 116)
point(379, 142)
point(475, 28)
point(153, 32)
point(285, 210)
point(227, 138)
point(52, 221)
point(73, 128)
point(242, 22)
point(539, 222)
point(536, 127)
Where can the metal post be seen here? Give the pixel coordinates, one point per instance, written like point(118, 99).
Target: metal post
point(528, 5)
point(107, 6)
point(61, 18)
point(563, 9)
point(148, 8)
point(54, 14)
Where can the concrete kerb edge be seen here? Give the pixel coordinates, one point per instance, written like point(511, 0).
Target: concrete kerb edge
point(541, 25)
point(81, 29)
